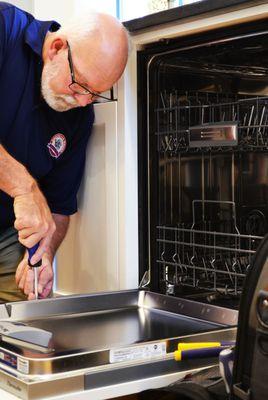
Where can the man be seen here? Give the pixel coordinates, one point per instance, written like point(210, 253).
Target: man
point(49, 76)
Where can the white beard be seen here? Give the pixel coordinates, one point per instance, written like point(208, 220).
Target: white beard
point(59, 102)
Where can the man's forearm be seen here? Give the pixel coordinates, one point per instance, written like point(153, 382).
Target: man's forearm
point(15, 180)
point(62, 223)
point(33, 219)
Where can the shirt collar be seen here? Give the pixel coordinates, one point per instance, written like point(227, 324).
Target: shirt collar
point(36, 32)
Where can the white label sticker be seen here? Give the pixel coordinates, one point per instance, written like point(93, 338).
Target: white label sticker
point(2, 356)
point(23, 365)
point(138, 352)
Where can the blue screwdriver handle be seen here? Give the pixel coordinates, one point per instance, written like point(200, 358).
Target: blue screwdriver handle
point(31, 252)
point(200, 353)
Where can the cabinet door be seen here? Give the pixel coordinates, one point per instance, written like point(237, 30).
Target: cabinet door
point(87, 260)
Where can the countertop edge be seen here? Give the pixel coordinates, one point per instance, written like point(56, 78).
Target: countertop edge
point(178, 13)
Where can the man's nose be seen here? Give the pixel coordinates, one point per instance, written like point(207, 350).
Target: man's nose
point(83, 100)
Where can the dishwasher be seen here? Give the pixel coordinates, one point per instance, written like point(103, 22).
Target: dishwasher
point(203, 198)
point(203, 213)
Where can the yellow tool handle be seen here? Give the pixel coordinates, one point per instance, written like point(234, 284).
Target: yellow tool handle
point(197, 345)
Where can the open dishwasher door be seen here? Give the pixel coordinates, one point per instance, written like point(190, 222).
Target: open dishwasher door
point(80, 343)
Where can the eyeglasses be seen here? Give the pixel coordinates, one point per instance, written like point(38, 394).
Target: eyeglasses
point(77, 87)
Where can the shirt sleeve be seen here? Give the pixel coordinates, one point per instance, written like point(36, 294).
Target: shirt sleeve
point(2, 38)
point(61, 184)
point(1, 44)
point(11, 21)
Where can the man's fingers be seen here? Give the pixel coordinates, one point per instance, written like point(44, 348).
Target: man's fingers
point(22, 280)
point(29, 282)
point(34, 221)
point(20, 270)
point(47, 289)
point(46, 274)
point(42, 248)
point(31, 240)
point(21, 224)
point(45, 283)
point(25, 277)
point(25, 233)
point(31, 296)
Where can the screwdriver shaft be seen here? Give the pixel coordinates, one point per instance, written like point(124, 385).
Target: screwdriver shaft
point(36, 283)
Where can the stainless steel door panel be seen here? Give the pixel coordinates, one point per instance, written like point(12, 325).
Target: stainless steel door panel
point(86, 329)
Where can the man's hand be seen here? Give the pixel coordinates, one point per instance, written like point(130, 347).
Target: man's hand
point(25, 274)
point(33, 217)
point(25, 277)
point(34, 221)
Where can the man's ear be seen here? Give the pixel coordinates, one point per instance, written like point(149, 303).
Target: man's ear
point(57, 45)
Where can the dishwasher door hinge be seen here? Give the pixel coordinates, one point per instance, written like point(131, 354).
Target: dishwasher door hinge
point(145, 280)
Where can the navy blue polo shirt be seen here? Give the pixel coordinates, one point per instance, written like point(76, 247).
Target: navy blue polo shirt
point(50, 144)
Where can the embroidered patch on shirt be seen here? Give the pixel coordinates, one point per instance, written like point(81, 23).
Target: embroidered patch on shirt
point(57, 145)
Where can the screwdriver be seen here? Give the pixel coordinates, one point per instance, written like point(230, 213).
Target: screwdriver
point(201, 345)
point(31, 252)
point(180, 355)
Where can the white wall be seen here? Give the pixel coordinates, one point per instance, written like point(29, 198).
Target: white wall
point(64, 10)
point(130, 9)
point(58, 10)
point(26, 5)
point(87, 260)
point(106, 6)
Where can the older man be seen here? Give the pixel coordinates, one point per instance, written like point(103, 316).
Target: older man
point(49, 76)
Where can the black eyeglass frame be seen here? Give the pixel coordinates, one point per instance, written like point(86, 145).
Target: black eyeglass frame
point(93, 94)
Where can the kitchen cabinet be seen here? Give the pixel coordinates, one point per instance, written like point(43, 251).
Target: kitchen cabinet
point(87, 261)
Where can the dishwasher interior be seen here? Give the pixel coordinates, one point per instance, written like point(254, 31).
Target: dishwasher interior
point(206, 159)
